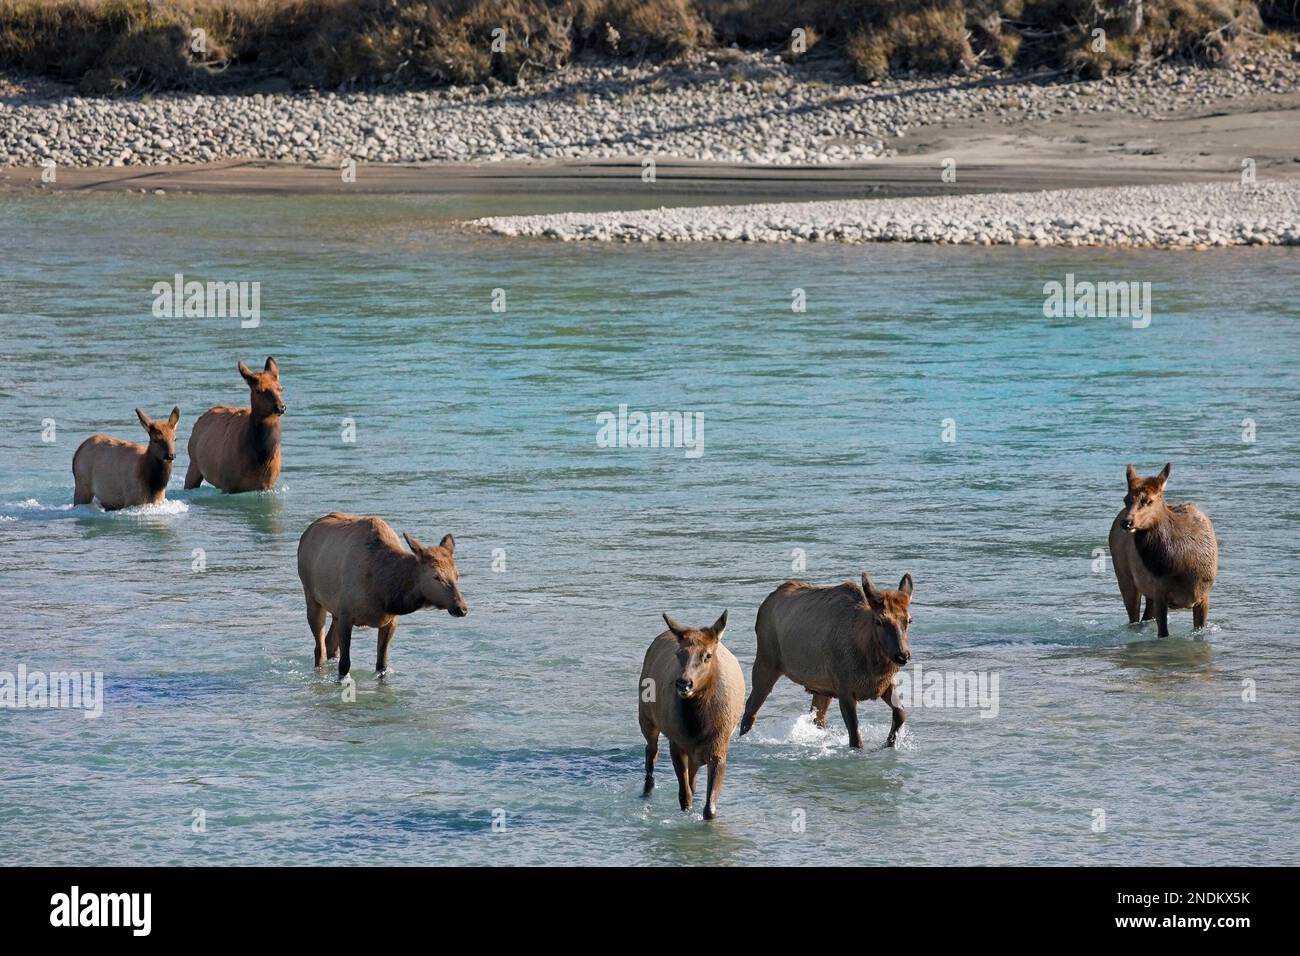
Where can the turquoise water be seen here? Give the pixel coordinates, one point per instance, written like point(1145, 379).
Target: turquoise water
point(823, 432)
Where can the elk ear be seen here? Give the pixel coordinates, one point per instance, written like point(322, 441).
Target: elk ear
point(874, 597)
point(175, 416)
point(1164, 474)
point(415, 546)
point(718, 627)
point(1132, 475)
point(676, 628)
point(144, 419)
point(448, 544)
point(905, 585)
point(271, 367)
point(249, 377)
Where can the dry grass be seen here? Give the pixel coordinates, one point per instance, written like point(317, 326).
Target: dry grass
point(113, 45)
point(1208, 31)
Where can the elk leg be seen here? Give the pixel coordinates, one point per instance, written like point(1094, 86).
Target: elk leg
point(849, 711)
point(717, 771)
point(899, 713)
point(386, 633)
point(764, 678)
point(1201, 612)
point(316, 621)
point(1132, 599)
point(1150, 612)
point(345, 646)
point(1128, 589)
point(193, 476)
point(83, 493)
point(1162, 618)
point(683, 783)
point(820, 704)
point(332, 639)
point(651, 755)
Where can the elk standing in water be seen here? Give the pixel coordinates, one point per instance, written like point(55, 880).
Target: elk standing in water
point(238, 449)
point(355, 569)
point(1166, 553)
point(121, 473)
point(692, 690)
point(841, 641)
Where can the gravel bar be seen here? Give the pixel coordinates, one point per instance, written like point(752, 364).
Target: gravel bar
point(1196, 216)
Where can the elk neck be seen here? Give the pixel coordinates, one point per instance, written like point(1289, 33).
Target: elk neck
point(153, 472)
point(401, 579)
point(263, 436)
point(1155, 544)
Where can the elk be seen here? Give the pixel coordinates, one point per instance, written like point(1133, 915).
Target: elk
point(355, 569)
point(122, 473)
point(238, 449)
point(692, 691)
point(844, 641)
point(1165, 553)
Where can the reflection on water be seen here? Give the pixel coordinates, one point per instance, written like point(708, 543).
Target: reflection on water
point(260, 509)
point(1168, 658)
point(1155, 659)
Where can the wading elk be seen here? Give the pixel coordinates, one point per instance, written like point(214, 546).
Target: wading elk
point(1165, 553)
point(355, 568)
point(692, 691)
point(238, 449)
point(121, 473)
point(840, 641)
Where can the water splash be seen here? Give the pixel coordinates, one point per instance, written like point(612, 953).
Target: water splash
point(32, 509)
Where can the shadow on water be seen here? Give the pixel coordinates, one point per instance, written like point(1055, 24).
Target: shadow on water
point(376, 827)
point(162, 689)
point(560, 764)
point(362, 829)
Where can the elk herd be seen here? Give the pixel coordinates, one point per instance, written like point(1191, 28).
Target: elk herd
point(843, 642)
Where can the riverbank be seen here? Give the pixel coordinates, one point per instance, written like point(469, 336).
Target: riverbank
point(751, 108)
point(578, 152)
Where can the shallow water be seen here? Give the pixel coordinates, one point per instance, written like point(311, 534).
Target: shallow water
point(822, 432)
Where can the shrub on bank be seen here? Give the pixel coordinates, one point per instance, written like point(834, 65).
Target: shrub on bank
point(108, 46)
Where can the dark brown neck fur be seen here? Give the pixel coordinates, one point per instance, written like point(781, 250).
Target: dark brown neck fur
point(263, 436)
point(878, 662)
point(154, 473)
point(1155, 544)
point(402, 574)
point(695, 713)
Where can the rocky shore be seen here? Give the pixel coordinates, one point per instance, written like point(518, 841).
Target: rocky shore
point(728, 106)
point(1197, 216)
